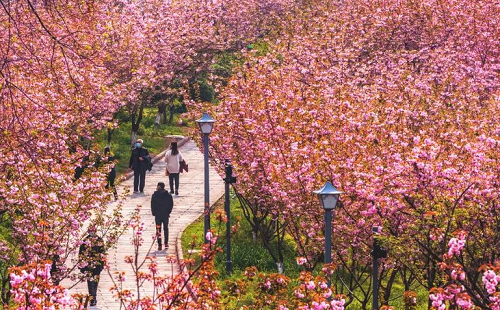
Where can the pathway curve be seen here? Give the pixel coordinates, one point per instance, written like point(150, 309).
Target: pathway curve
point(188, 206)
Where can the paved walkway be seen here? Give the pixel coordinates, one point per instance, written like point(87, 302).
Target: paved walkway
point(188, 206)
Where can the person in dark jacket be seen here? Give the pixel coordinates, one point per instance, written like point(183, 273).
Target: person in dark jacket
point(91, 258)
point(140, 161)
point(162, 204)
point(110, 158)
point(55, 270)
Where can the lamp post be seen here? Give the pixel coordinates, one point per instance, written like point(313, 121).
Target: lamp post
point(229, 179)
point(206, 125)
point(328, 196)
point(378, 252)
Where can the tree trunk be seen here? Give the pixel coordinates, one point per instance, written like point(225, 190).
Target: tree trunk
point(431, 274)
point(280, 235)
point(388, 289)
point(281, 269)
point(171, 116)
point(157, 119)
point(136, 121)
point(134, 138)
point(110, 134)
point(162, 108)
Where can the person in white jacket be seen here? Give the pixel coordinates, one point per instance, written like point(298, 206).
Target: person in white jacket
point(173, 157)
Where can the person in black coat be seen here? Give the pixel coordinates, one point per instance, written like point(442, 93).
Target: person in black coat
point(161, 207)
point(91, 257)
point(110, 158)
point(140, 161)
point(55, 270)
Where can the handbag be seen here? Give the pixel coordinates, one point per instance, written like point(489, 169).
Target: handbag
point(166, 172)
point(183, 166)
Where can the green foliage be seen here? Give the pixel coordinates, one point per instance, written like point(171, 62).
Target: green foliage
point(224, 66)
point(6, 240)
point(153, 136)
point(262, 47)
point(245, 253)
point(207, 92)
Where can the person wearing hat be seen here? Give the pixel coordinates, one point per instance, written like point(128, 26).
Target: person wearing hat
point(140, 161)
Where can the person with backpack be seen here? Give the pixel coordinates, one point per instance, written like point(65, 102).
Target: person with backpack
point(161, 207)
point(173, 158)
point(140, 161)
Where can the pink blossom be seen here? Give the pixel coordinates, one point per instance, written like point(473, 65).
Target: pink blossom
point(338, 304)
point(455, 246)
point(310, 285)
point(301, 261)
point(299, 294)
point(267, 284)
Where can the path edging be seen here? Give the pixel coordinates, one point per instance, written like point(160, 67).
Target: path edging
point(180, 256)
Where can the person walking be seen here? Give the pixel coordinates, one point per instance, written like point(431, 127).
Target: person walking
point(161, 207)
point(55, 270)
point(173, 158)
point(110, 158)
point(140, 161)
point(91, 257)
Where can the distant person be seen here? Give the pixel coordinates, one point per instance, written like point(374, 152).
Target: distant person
point(161, 207)
point(173, 158)
point(140, 161)
point(81, 168)
point(110, 158)
point(91, 259)
point(55, 270)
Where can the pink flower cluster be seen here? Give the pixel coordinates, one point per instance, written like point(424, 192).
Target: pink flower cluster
point(301, 261)
point(455, 245)
point(438, 301)
point(453, 294)
point(491, 281)
point(326, 305)
point(34, 281)
point(338, 304)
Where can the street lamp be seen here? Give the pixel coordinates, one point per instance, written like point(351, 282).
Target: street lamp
point(229, 179)
point(328, 196)
point(206, 125)
point(378, 252)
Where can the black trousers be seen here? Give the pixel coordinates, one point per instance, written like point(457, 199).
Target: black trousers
point(159, 222)
point(111, 182)
point(92, 286)
point(111, 178)
point(173, 178)
point(139, 180)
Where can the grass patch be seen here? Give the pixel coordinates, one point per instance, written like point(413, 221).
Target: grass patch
point(246, 252)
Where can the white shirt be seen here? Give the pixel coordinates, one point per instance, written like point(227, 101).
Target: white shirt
point(173, 161)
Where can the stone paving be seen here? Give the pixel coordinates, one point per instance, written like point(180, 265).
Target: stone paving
point(188, 206)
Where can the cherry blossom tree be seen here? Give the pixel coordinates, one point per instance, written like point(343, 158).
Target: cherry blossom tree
point(54, 94)
point(397, 104)
point(157, 45)
point(65, 70)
